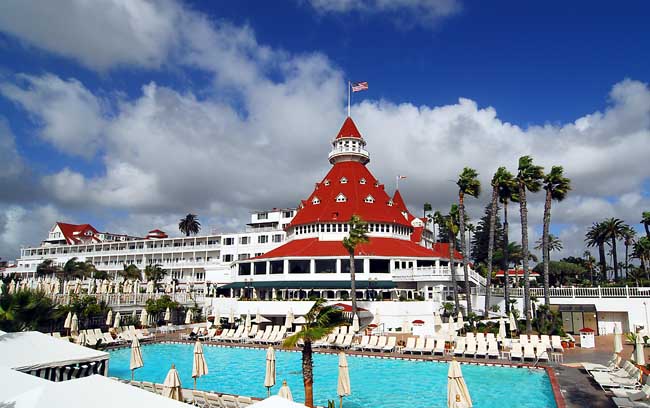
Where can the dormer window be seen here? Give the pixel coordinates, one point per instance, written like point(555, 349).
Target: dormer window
point(343, 180)
point(341, 198)
point(362, 181)
point(315, 201)
point(369, 199)
point(326, 182)
point(390, 203)
point(376, 183)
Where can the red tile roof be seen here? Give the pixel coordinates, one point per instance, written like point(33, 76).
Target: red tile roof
point(329, 210)
point(73, 232)
point(349, 129)
point(313, 247)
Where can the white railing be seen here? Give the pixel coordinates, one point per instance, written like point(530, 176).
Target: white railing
point(421, 273)
point(345, 150)
point(574, 292)
point(117, 299)
point(99, 251)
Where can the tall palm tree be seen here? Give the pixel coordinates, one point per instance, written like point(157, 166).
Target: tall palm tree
point(468, 184)
point(641, 251)
point(320, 321)
point(529, 178)
point(645, 220)
point(596, 237)
point(557, 187)
point(613, 228)
point(629, 234)
point(154, 272)
point(589, 263)
point(554, 244)
point(131, 272)
point(189, 225)
point(493, 219)
point(450, 222)
point(507, 186)
point(357, 235)
point(47, 268)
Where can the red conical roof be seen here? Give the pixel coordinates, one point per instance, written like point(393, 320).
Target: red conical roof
point(349, 129)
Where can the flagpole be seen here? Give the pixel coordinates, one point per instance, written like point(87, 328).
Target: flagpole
point(349, 87)
point(396, 182)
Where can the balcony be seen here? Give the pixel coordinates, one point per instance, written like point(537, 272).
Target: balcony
point(432, 273)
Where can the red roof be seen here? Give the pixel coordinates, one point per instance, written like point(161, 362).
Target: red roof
point(355, 182)
point(512, 272)
point(347, 308)
point(74, 232)
point(418, 321)
point(313, 247)
point(349, 129)
point(587, 330)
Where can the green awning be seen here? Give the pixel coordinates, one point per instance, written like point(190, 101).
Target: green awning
point(310, 285)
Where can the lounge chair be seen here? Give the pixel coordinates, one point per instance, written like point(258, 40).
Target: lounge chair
point(470, 348)
point(490, 336)
point(545, 338)
point(209, 335)
point(108, 339)
point(634, 395)
point(516, 352)
point(534, 339)
point(429, 346)
point(188, 336)
point(364, 342)
point(199, 399)
point(460, 347)
point(390, 346)
point(344, 330)
point(440, 347)
point(381, 343)
point(229, 401)
point(346, 342)
point(98, 333)
point(257, 336)
point(613, 364)
point(493, 349)
point(214, 400)
point(523, 339)
point(529, 352)
point(372, 342)
point(556, 343)
point(148, 386)
point(541, 352)
point(410, 345)
point(469, 335)
point(244, 401)
point(481, 349)
point(480, 336)
point(265, 335)
point(420, 342)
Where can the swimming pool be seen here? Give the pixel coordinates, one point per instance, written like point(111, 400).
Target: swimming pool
point(375, 382)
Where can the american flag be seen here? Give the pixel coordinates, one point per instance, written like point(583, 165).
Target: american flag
point(359, 86)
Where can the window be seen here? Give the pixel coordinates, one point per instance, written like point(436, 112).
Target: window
point(370, 199)
point(262, 239)
point(244, 240)
point(244, 269)
point(229, 241)
point(299, 266)
point(287, 214)
point(258, 254)
point(228, 258)
point(343, 180)
point(390, 203)
point(341, 198)
point(259, 268)
point(277, 237)
point(379, 266)
point(263, 216)
point(243, 257)
point(326, 266)
point(315, 201)
point(277, 267)
point(326, 182)
point(362, 181)
point(345, 266)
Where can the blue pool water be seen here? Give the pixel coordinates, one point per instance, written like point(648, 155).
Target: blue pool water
point(375, 382)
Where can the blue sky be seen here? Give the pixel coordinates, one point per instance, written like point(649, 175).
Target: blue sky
point(89, 102)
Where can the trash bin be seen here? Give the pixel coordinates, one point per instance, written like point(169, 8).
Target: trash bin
point(587, 338)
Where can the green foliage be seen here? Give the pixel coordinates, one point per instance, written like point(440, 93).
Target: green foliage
point(160, 305)
point(358, 234)
point(481, 237)
point(130, 272)
point(47, 268)
point(189, 225)
point(84, 306)
point(468, 182)
point(447, 309)
point(321, 319)
point(100, 274)
point(563, 273)
point(155, 273)
point(26, 310)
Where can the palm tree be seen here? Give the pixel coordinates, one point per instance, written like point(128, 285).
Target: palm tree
point(628, 240)
point(589, 263)
point(450, 222)
point(74, 269)
point(641, 251)
point(596, 237)
point(645, 220)
point(493, 219)
point(47, 268)
point(155, 273)
point(529, 178)
point(613, 228)
point(320, 321)
point(557, 187)
point(554, 244)
point(358, 229)
point(131, 272)
point(468, 184)
point(507, 193)
point(189, 225)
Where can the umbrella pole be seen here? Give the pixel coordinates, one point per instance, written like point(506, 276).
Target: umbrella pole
point(194, 382)
point(132, 374)
point(340, 401)
point(268, 391)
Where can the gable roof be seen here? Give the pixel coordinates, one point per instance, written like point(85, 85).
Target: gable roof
point(74, 232)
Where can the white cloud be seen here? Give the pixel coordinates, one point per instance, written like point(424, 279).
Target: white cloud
point(405, 12)
point(22, 226)
point(70, 116)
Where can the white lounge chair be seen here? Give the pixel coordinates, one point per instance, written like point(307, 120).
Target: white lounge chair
point(459, 350)
point(244, 401)
point(229, 401)
point(440, 347)
point(390, 346)
point(343, 330)
point(516, 352)
point(470, 348)
point(611, 365)
point(346, 342)
point(381, 343)
point(556, 343)
point(523, 339)
point(410, 345)
point(493, 349)
point(541, 352)
point(364, 342)
point(534, 339)
point(372, 342)
point(529, 352)
point(490, 336)
point(480, 336)
point(429, 347)
point(481, 349)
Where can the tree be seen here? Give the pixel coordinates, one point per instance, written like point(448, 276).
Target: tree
point(507, 193)
point(554, 244)
point(47, 268)
point(529, 178)
point(481, 238)
point(628, 236)
point(468, 184)
point(589, 262)
point(596, 237)
point(320, 321)
point(189, 225)
point(645, 220)
point(154, 272)
point(562, 272)
point(131, 272)
point(613, 229)
point(493, 209)
point(357, 235)
point(641, 251)
point(557, 187)
point(427, 208)
point(74, 269)
point(450, 222)
point(26, 310)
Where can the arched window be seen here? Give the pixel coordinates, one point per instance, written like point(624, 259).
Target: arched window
point(326, 182)
point(390, 203)
point(341, 198)
point(315, 201)
point(362, 181)
point(344, 180)
point(369, 199)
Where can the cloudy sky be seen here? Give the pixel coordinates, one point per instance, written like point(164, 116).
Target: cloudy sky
point(128, 114)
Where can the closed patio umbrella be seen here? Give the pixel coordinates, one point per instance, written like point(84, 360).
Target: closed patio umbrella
point(377, 318)
point(231, 316)
point(355, 323)
point(217, 317)
point(68, 321)
point(81, 340)
point(172, 385)
point(437, 322)
point(247, 322)
point(109, 318)
point(74, 324)
point(512, 322)
point(188, 316)
point(457, 393)
point(136, 357)
point(288, 320)
point(343, 388)
point(117, 321)
point(168, 315)
point(451, 328)
point(285, 392)
point(618, 341)
point(134, 316)
point(502, 329)
point(199, 366)
point(639, 356)
point(150, 286)
point(269, 377)
point(144, 318)
point(460, 323)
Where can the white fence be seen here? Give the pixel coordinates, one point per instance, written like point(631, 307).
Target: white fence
point(573, 292)
point(117, 299)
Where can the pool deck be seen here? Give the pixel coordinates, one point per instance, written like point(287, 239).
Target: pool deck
point(572, 386)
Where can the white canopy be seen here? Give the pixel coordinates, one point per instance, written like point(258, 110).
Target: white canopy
point(276, 402)
point(36, 393)
point(27, 351)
